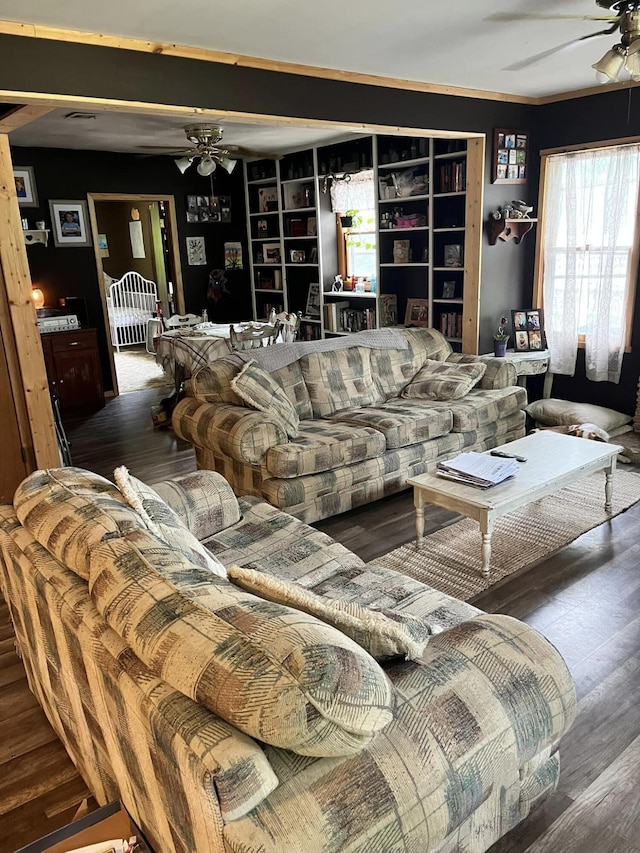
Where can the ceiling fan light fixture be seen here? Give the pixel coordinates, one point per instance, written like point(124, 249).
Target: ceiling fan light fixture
point(183, 163)
point(206, 166)
point(227, 164)
point(609, 67)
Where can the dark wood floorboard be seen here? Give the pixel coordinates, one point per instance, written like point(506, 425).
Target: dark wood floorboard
point(585, 599)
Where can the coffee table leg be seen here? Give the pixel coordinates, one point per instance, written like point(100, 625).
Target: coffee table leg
point(608, 484)
point(486, 529)
point(418, 502)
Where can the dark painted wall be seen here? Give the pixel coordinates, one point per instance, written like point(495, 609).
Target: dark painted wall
point(71, 271)
point(128, 75)
point(607, 115)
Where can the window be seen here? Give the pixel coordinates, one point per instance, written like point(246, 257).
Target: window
point(353, 195)
point(360, 244)
point(589, 257)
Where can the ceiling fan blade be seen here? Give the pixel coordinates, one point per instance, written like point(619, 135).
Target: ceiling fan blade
point(239, 151)
point(567, 45)
point(508, 17)
point(170, 152)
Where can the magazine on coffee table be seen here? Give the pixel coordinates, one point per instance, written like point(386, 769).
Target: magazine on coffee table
point(477, 469)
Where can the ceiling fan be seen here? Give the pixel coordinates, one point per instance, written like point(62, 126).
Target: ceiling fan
point(624, 15)
point(206, 148)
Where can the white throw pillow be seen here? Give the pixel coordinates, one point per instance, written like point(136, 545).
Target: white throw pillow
point(554, 412)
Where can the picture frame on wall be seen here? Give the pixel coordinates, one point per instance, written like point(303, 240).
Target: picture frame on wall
point(528, 329)
point(69, 223)
point(196, 252)
point(25, 181)
point(510, 161)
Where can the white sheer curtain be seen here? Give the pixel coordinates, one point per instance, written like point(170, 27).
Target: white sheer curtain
point(355, 192)
point(591, 217)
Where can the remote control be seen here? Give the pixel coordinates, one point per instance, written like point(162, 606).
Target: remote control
point(506, 455)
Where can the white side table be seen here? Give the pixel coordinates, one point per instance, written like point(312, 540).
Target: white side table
point(532, 363)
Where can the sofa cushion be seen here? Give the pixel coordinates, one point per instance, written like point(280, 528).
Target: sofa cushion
point(400, 422)
point(161, 520)
point(211, 383)
point(291, 380)
point(69, 511)
point(277, 674)
point(259, 391)
point(203, 500)
point(437, 380)
point(552, 412)
point(393, 369)
point(321, 446)
point(339, 379)
point(480, 408)
point(383, 633)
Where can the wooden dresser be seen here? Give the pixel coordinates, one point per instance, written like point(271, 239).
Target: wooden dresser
point(73, 369)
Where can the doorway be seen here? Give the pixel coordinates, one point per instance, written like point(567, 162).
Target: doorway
point(136, 234)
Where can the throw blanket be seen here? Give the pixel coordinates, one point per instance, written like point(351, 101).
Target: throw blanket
point(280, 355)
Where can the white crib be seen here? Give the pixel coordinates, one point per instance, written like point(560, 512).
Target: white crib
point(131, 302)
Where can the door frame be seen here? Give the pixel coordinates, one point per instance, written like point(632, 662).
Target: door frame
point(173, 248)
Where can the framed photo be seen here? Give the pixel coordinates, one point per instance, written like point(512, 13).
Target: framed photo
point(271, 253)
point(69, 223)
point(224, 206)
point(510, 156)
point(388, 309)
point(453, 255)
point(205, 208)
point(312, 227)
point(25, 182)
point(233, 256)
point(267, 199)
point(196, 253)
point(417, 313)
point(262, 228)
point(298, 256)
point(528, 329)
point(313, 255)
point(313, 301)
point(448, 290)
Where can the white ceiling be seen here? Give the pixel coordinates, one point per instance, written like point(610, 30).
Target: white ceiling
point(436, 42)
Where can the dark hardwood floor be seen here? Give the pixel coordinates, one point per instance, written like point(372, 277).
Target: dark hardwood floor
point(585, 599)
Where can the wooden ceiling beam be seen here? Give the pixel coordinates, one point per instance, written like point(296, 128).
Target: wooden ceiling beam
point(21, 115)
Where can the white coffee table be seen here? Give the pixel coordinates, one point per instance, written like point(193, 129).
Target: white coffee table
point(553, 461)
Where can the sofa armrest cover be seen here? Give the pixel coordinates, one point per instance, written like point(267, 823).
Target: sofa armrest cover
point(202, 500)
point(500, 372)
point(241, 433)
point(277, 674)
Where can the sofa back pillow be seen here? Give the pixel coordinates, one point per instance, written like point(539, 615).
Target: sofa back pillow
point(339, 379)
point(394, 368)
point(202, 500)
point(158, 517)
point(211, 383)
point(291, 381)
point(438, 380)
point(69, 511)
point(258, 390)
point(279, 675)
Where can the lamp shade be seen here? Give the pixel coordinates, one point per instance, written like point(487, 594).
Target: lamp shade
point(206, 166)
point(609, 67)
point(183, 164)
point(228, 164)
point(38, 297)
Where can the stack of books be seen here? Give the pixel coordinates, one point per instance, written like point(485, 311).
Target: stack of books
point(477, 469)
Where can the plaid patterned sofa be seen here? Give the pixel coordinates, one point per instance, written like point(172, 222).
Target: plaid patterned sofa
point(358, 432)
point(229, 723)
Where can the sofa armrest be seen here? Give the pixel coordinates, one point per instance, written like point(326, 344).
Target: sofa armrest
point(500, 372)
point(234, 431)
point(202, 500)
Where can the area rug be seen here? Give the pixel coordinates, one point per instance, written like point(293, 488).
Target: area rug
point(137, 370)
point(450, 559)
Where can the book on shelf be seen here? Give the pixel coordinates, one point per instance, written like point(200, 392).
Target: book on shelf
point(332, 314)
point(450, 324)
point(357, 319)
point(453, 176)
point(478, 469)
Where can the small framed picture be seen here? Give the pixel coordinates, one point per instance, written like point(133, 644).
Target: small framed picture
point(196, 253)
point(510, 156)
point(298, 256)
point(267, 199)
point(453, 255)
point(312, 309)
point(313, 255)
point(271, 253)
point(69, 223)
point(417, 312)
point(448, 290)
point(312, 226)
point(388, 309)
point(25, 182)
point(528, 328)
point(262, 228)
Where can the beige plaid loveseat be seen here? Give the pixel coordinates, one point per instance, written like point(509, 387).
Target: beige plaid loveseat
point(358, 431)
point(229, 723)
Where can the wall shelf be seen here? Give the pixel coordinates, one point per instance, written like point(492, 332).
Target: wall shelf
point(36, 236)
point(509, 229)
